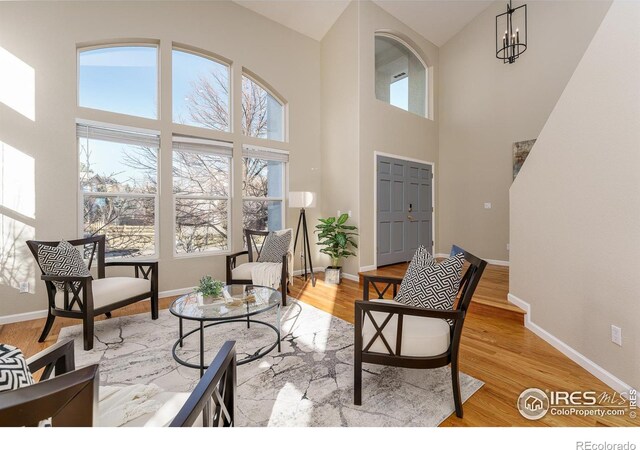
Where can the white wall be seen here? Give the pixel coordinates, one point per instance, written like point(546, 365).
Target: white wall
point(575, 206)
point(43, 37)
point(486, 106)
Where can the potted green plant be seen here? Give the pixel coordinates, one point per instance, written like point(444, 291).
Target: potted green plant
point(209, 288)
point(336, 239)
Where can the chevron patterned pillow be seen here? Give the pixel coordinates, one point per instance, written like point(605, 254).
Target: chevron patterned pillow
point(14, 371)
point(431, 285)
point(275, 247)
point(63, 260)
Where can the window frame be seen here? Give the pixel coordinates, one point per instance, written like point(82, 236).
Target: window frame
point(229, 199)
point(428, 74)
point(253, 151)
point(217, 59)
point(156, 204)
point(162, 127)
point(150, 43)
point(284, 115)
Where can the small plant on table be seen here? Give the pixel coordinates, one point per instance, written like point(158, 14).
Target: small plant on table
point(209, 287)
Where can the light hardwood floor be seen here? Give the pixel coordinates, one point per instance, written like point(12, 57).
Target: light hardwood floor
point(495, 349)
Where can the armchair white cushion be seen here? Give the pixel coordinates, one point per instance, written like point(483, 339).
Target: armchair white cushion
point(421, 336)
point(107, 291)
point(245, 271)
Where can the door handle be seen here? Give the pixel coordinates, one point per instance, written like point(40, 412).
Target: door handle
point(411, 218)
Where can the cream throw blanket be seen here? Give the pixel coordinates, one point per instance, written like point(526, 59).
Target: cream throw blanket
point(269, 274)
point(121, 404)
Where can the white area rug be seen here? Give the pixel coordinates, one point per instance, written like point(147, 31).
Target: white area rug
point(309, 383)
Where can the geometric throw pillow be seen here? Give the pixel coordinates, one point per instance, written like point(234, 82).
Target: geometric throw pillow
point(275, 247)
point(14, 372)
point(62, 260)
point(435, 286)
point(409, 291)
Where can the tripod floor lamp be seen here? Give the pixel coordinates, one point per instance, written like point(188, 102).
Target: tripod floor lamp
point(303, 200)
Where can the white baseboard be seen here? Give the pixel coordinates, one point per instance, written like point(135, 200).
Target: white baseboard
point(41, 314)
point(495, 262)
point(174, 292)
point(367, 268)
point(301, 271)
point(594, 369)
point(347, 276)
point(23, 317)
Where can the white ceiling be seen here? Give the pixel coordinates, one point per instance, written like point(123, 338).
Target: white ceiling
point(436, 20)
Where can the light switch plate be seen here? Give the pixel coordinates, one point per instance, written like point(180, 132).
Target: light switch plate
point(487, 205)
point(616, 335)
point(24, 287)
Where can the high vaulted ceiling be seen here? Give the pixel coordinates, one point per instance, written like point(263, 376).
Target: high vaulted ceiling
point(436, 20)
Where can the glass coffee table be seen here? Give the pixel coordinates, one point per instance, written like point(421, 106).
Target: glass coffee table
point(238, 303)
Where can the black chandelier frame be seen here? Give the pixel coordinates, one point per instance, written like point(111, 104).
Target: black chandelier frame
point(511, 47)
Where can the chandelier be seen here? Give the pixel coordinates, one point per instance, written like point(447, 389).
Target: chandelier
point(513, 42)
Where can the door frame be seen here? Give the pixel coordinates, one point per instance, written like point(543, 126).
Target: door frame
point(375, 198)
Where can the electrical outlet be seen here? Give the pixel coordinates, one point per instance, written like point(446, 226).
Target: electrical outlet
point(24, 287)
point(338, 215)
point(487, 205)
point(349, 213)
point(616, 335)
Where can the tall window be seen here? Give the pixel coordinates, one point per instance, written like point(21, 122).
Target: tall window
point(401, 77)
point(202, 195)
point(200, 91)
point(119, 185)
point(119, 163)
point(121, 79)
point(263, 187)
point(262, 113)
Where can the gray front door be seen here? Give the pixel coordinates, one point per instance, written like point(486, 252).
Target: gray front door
point(404, 209)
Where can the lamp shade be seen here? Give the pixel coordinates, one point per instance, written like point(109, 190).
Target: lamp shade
point(302, 199)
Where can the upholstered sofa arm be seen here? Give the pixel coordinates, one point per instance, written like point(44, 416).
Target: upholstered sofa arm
point(387, 281)
point(59, 356)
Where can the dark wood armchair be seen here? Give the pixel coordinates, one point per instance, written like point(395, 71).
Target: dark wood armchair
point(241, 273)
point(86, 297)
point(70, 398)
point(393, 334)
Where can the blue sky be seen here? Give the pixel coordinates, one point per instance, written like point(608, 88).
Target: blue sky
point(120, 79)
point(188, 68)
point(399, 93)
point(125, 80)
